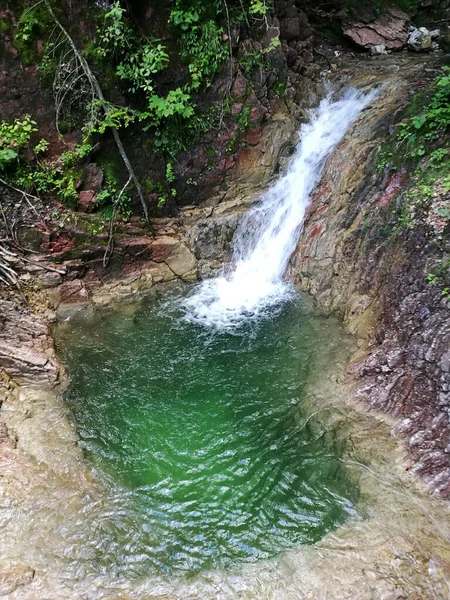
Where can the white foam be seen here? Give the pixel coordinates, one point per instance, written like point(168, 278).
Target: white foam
point(269, 232)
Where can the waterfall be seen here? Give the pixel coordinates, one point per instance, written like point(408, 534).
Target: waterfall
point(269, 232)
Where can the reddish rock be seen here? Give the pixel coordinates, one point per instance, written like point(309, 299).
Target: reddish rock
point(394, 184)
point(92, 178)
point(86, 201)
point(390, 29)
point(257, 110)
point(253, 136)
point(239, 88)
point(163, 247)
point(136, 246)
point(73, 292)
point(236, 108)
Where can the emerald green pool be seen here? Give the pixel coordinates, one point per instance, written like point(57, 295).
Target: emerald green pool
point(199, 438)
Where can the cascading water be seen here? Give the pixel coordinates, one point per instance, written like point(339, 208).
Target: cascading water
point(268, 234)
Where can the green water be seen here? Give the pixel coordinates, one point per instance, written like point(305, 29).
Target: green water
point(199, 438)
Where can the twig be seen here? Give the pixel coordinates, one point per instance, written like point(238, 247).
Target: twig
point(7, 227)
point(230, 46)
point(325, 57)
point(41, 266)
point(244, 13)
point(26, 195)
point(32, 7)
point(110, 246)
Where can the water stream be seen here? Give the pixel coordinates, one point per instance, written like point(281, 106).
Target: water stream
point(268, 234)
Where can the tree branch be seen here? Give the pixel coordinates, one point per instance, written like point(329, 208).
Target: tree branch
point(110, 246)
point(106, 109)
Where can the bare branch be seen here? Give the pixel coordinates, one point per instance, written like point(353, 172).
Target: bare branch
point(110, 246)
point(25, 195)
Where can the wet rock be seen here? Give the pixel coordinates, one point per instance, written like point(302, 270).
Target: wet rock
point(419, 40)
point(30, 238)
point(407, 326)
point(73, 292)
point(183, 263)
point(390, 30)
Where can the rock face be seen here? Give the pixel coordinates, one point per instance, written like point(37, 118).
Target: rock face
point(379, 286)
point(26, 347)
point(390, 30)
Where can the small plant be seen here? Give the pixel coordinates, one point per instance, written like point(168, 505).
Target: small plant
point(432, 279)
point(170, 175)
point(14, 137)
point(243, 125)
point(444, 212)
point(259, 8)
point(384, 160)
point(108, 198)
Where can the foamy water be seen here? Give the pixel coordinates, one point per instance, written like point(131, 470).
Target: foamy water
point(269, 232)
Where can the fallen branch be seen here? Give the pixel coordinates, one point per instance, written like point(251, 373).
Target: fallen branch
point(41, 266)
point(325, 57)
point(110, 246)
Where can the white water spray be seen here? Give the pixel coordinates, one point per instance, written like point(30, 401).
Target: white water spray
point(268, 234)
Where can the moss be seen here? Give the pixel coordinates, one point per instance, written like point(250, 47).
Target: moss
point(111, 164)
point(4, 25)
point(33, 25)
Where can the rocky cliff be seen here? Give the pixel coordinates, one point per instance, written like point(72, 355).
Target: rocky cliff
point(356, 258)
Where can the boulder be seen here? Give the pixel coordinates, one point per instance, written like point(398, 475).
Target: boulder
point(390, 29)
point(92, 178)
point(87, 201)
point(420, 40)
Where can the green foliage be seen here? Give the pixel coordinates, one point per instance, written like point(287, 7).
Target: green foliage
point(259, 8)
point(184, 19)
point(14, 137)
point(175, 103)
point(116, 117)
point(422, 132)
point(204, 51)
point(243, 125)
point(439, 277)
point(384, 160)
point(170, 176)
point(138, 59)
point(34, 23)
point(108, 198)
point(444, 212)
point(27, 26)
point(54, 176)
point(138, 67)
point(422, 146)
